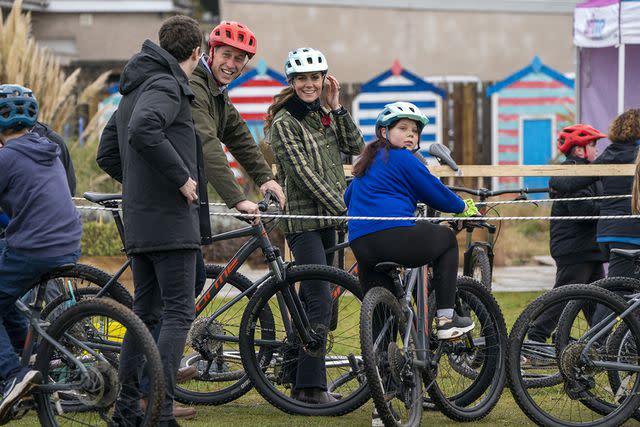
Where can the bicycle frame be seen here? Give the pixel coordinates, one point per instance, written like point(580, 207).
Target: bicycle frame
point(36, 328)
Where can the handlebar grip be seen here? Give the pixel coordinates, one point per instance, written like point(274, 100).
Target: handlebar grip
point(264, 204)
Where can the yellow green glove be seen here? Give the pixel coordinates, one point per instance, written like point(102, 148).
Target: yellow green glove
point(471, 210)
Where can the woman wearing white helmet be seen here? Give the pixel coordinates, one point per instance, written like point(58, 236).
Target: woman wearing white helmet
point(389, 182)
point(307, 138)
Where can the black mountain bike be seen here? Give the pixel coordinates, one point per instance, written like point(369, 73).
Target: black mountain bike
point(592, 376)
point(78, 355)
point(478, 255)
point(464, 377)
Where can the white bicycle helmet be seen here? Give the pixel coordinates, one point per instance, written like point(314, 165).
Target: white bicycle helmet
point(391, 113)
point(305, 60)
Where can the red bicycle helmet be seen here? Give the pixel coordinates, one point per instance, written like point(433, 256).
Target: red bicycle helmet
point(234, 34)
point(577, 136)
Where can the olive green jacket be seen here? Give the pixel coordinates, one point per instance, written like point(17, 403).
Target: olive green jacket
point(218, 121)
point(310, 167)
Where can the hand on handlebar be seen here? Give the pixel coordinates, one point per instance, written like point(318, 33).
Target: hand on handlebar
point(470, 210)
point(249, 207)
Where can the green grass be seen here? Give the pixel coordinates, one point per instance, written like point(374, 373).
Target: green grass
point(252, 410)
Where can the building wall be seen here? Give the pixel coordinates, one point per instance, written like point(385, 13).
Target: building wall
point(98, 36)
point(359, 42)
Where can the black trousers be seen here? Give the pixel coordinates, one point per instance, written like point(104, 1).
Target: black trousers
point(308, 248)
point(586, 272)
point(164, 285)
point(412, 247)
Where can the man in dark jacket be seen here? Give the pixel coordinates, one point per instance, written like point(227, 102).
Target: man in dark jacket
point(573, 243)
point(151, 146)
point(231, 46)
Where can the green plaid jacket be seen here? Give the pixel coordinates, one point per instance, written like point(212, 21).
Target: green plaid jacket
point(309, 165)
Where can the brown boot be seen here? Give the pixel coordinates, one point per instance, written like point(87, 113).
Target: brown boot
point(179, 411)
point(185, 374)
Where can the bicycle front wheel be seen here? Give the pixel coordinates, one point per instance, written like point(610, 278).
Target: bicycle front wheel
point(92, 331)
point(470, 373)
point(271, 348)
point(395, 382)
point(584, 397)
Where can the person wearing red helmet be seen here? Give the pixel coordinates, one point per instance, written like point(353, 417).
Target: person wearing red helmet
point(231, 46)
point(573, 244)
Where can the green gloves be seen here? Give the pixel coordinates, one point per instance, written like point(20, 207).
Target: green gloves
point(471, 210)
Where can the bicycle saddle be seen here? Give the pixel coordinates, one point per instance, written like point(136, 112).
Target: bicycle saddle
point(385, 267)
point(628, 253)
point(443, 154)
point(58, 271)
point(101, 197)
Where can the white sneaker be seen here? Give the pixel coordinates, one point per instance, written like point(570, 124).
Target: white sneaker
point(376, 421)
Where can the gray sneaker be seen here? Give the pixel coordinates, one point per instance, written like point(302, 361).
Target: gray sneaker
point(449, 328)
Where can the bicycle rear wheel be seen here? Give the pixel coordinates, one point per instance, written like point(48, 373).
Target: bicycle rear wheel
point(394, 381)
point(584, 397)
point(270, 354)
point(66, 287)
point(212, 347)
point(92, 331)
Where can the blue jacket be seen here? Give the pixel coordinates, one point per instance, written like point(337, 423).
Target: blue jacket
point(391, 187)
point(35, 195)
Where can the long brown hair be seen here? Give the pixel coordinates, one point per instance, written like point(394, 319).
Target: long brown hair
point(368, 155)
point(278, 102)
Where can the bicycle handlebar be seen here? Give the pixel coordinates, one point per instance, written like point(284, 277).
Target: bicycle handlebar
point(485, 192)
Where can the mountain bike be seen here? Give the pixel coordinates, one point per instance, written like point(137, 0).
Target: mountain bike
point(401, 353)
point(78, 354)
point(595, 366)
point(479, 254)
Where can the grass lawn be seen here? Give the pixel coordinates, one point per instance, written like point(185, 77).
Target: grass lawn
point(252, 410)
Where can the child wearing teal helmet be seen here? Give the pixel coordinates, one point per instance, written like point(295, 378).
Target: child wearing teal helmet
point(44, 231)
point(389, 182)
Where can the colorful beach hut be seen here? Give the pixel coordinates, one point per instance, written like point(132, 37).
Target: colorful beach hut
point(398, 84)
point(529, 107)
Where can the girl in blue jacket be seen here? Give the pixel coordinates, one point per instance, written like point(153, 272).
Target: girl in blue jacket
point(389, 182)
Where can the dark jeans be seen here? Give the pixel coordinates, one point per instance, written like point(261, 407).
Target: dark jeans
point(586, 272)
point(164, 290)
point(201, 278)
point(308, 248)
point(412, 247)
point(19, 273)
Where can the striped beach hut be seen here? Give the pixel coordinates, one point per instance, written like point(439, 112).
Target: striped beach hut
point(253, 92)
point(398, 84)
point(529, 108)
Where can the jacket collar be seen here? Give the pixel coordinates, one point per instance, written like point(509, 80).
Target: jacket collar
point(299, 109)
point(172, 64)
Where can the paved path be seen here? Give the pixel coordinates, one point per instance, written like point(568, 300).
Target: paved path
point(505, 279)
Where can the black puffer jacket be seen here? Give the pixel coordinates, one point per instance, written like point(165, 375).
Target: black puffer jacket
point(574, 242)
point(150, 146)
point(617, 153)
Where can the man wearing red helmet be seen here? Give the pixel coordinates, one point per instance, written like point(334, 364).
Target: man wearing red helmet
point(231, 46)
point(573, 243)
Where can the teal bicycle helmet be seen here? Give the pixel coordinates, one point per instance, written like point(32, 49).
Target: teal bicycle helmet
point(391, 113)
point(18, 107)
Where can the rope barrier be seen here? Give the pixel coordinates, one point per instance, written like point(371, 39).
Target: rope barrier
point(412, 218)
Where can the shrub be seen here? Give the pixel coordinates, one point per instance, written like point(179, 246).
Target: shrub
point(100, 239)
